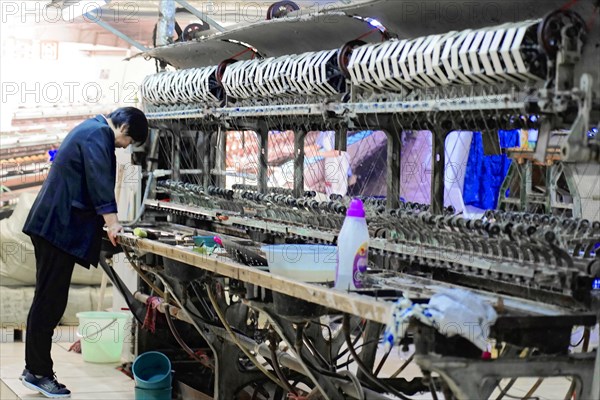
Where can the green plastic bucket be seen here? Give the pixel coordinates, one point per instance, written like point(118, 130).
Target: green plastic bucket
point(152, 371)
point(102, 335)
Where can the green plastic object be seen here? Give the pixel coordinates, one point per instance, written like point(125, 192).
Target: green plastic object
point(139, 232)
point(102, 335)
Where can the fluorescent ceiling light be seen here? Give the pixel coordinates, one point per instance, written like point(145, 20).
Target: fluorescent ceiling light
point(376, 24)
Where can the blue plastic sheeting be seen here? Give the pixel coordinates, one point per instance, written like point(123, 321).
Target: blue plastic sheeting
point(485, 174)
point(357, 137)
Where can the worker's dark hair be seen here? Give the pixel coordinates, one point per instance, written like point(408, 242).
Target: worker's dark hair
point(138, 124)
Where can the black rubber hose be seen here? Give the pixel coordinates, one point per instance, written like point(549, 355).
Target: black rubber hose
point(277, 368)
point(137, 309)
point(179, 339)
point(363, 367)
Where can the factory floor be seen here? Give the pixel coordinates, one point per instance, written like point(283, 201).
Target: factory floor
point(103, 381)
point(85, 380)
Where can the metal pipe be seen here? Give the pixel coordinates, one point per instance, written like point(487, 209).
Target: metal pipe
point(165, 31)
point(93, 16)
point(163, 307)
point(142, 208)
point(167, 172)
point(221, 155)
point(152, 162)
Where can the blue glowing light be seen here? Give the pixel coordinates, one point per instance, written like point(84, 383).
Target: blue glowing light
point(376, 24)
point(596, 284)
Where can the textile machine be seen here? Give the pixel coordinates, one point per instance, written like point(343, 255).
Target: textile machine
point(236, 151)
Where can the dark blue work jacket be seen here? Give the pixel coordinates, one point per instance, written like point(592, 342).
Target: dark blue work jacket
point(79, 189)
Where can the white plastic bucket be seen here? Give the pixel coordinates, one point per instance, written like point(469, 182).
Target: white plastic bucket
point(102, 335)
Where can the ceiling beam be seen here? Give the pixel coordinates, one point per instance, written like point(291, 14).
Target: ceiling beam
point(98, 20)
point(201, 15)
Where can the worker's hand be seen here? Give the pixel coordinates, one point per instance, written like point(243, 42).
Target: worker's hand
point(113, 230)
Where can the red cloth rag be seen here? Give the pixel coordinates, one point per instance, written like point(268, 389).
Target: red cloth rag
point(150, 319)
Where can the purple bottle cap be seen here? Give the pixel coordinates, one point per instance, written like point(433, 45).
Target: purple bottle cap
point(356, 209)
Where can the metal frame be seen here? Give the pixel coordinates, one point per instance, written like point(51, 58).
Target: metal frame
point(525, 267)
point(95, 18)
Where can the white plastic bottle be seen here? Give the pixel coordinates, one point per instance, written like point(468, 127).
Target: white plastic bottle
point(353, 249)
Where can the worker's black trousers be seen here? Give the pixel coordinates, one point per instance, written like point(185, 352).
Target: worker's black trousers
point(54, 269)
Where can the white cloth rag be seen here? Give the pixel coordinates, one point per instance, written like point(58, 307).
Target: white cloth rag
point(452, 312)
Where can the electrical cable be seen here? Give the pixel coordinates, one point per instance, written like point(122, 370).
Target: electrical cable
point(228, 328)
point(570, 393)
point(535, 387)
point(143, 275)
point(578, 343)
point(586, 342)
point(343, 353)
point(363, 368)
point(382, 362)
point(503, 392)
point(180, 340)
point(356, 382)
point(403, 367)
point(351, 361)
point(432, 388)
point(315, 352)
point(202, 301)
point(235, 339)
point(330, 337)
point(192, 313)
point(585, 337)
point(298, 348)
point(277, 368)
point(339, 375)
point(506, 389)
